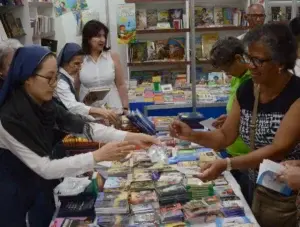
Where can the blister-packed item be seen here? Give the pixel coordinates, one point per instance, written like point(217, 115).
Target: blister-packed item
point(113, 220)
point(171, 190)
point(158, 154)
point(143, 197)
point(142, 186)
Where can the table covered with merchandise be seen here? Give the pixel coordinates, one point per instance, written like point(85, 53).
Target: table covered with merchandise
point(149, 189)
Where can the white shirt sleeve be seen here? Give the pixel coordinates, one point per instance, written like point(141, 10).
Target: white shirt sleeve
point(106, 134)
point(68, 99)
point(43, 166)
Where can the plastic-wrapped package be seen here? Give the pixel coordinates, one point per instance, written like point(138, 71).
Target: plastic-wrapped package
point(72, 186)
point(158, 154)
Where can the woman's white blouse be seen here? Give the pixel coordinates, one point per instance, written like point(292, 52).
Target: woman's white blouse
point(100, 74)
point(59, 168)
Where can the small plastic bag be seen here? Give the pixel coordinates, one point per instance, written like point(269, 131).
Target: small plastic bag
point(72, 186)
point(158, 154)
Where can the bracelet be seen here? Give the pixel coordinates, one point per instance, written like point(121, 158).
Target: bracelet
point(229, 167)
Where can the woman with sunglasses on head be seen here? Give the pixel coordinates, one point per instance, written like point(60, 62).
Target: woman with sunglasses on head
point(102, 68)
point(265, 115)
point(29, 123)
point(70, 60)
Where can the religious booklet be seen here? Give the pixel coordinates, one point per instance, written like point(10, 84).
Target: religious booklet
point(95, 94)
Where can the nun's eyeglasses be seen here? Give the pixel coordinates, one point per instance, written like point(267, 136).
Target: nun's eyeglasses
point(51, 80)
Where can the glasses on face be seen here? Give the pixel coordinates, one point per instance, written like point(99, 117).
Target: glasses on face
point(257, 62)
point(51, 80)
point(256, 16)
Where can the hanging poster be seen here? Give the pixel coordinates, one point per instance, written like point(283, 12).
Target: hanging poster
point(65, 6)
point(126, 23)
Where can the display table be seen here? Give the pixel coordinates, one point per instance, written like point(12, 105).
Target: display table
point(213, 110)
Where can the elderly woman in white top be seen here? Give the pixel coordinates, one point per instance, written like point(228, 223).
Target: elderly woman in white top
point(69, 62)
point(7, 50)
point(101, 67)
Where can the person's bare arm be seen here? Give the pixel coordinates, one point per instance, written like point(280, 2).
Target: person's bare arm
point(120, 81)
point(286, 138)
point(223, 137)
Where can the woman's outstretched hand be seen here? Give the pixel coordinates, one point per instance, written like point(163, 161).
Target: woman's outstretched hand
point(114, 151)
point(142, 140)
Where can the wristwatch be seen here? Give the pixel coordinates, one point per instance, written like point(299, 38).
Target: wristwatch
point(229, 167)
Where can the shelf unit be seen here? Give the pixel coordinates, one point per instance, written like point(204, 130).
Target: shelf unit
point(154, 34)
point(159, 34)
point(44, 10)
point(287, 7)
point(25, 12)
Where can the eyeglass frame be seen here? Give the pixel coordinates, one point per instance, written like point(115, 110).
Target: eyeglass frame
point(260, 15)
point(256, 62)
point(57, 77)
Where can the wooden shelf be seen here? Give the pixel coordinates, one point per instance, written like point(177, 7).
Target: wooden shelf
point(159, 63)
point(43, 35)
point(149, 1)
point(202, 61)
point(152, 31)
point(40, 4)
point(222, 28)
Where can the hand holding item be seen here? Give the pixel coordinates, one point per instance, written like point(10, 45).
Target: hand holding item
point(219, 121)
point(110, 115)
point(180, 130)
point(142, 140)
point(114, 151)
point(291, 176)
point(295, 163)
point(212, 170)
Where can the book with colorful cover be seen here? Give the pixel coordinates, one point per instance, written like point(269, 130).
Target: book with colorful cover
point(228, 16)
point(177, 48)
point(138, 51)
point(152, 18)
point(141, 19)
point(198, 43)
point(126, 23)
point(218, 16)
point(174, 15)
point(208, 40)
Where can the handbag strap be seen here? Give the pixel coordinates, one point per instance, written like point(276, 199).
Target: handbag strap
point(254, 117)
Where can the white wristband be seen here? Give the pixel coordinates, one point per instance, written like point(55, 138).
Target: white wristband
point(228, 168)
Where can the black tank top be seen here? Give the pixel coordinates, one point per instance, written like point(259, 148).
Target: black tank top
point(269, 115)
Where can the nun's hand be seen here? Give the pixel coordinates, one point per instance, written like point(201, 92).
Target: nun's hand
point(110, 115)
point(141, 140)
point(114, 151)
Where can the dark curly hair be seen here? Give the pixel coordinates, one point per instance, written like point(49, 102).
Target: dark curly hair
point(295, 26)
point(279, 39)
point(91, 29)
point(224, 50)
